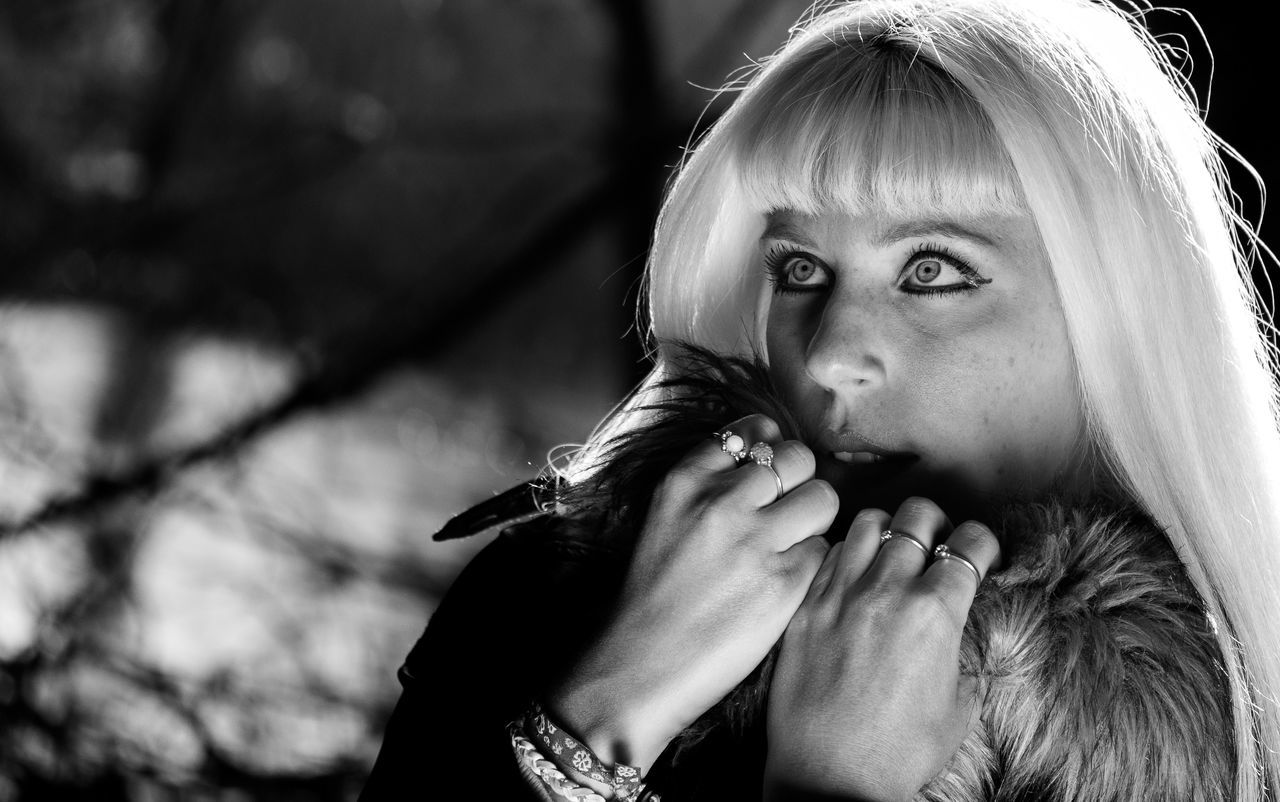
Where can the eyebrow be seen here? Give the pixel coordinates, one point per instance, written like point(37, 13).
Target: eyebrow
point(921, 228)
point(781, 229)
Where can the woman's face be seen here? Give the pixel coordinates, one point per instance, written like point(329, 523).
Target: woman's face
point(922, 356)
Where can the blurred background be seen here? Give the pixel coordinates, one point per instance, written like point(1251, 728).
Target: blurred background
point(283, 285)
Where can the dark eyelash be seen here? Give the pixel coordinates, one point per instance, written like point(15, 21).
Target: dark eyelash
point(974, 278)
point(777, 255)
point(774, 258)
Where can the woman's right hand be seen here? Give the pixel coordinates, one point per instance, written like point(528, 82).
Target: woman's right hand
point(721, 564)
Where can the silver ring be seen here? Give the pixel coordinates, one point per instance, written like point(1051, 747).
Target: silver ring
point(889, 534)
point(944, 553)
point(734, 445)
point(762, 454)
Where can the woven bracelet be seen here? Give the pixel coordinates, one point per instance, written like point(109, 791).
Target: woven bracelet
point(545, 770)
point(560, 746)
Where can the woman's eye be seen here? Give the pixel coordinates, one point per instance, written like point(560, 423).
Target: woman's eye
point(795, 272)
point(927, 270)
point(801, 270)
point(929, 273)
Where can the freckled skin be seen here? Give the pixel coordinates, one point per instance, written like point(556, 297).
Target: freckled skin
point(978, 383)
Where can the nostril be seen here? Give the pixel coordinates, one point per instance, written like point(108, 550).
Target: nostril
point(844, 371)
point(843, 350)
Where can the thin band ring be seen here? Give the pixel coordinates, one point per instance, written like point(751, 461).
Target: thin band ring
point(762, 454)
point(889, 534)
point(777, 481)
point(944, 553)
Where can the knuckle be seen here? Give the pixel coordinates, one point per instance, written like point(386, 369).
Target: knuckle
point(762, 427)
point(826, 499)
point(831, 553)
point(796, 456)
point(791, 573)
point(807, 561)
point(977, 539)
point(815, 550)
point(679, 487)
point(919, 506)
point(769, 429)
point(870, 514)
point(823, 488)
point(692, 496)
point(976, 532)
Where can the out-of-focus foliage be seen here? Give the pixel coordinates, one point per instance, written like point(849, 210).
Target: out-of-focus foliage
point(283, 284)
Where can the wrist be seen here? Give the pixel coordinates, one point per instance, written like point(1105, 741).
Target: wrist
point(617, 730)
point(568, 758)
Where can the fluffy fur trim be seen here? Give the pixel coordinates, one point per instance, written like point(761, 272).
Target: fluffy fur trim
point(1100, 675)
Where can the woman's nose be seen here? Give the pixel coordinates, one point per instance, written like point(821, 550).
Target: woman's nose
point(844, 350)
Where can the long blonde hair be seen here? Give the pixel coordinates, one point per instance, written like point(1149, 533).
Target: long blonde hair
point(1070, 110)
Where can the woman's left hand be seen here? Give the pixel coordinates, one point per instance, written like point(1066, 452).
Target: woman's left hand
point(866, 700)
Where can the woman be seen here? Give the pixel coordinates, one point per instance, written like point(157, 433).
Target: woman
point(986, 251)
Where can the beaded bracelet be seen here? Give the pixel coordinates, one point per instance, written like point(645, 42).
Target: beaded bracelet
point(569, 751)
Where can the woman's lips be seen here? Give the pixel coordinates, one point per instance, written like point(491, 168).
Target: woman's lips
point(857, 457)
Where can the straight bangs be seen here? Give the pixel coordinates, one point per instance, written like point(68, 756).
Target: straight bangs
point(872, 128)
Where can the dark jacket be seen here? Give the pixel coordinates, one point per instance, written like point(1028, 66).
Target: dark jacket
point(512, 622)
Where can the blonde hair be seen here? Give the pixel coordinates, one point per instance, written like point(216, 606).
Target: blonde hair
point(1071, 111)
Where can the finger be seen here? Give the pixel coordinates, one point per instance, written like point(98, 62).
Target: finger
point(822, 580)
point(712, 454)
point(803, 561)
point(808, 510)
point(901, 557)
point(791, 465)
point(973, 550)
point(862, 543)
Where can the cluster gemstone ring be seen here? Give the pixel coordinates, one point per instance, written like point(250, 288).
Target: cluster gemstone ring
point(762, 454)
point(733, 445)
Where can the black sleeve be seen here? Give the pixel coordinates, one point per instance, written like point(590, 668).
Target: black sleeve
point(513, 620)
